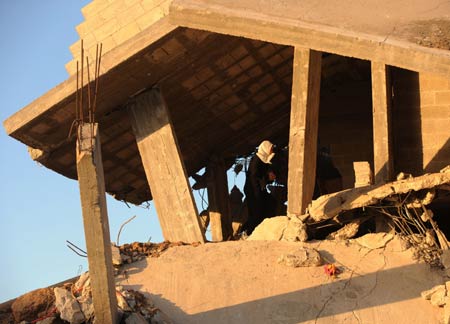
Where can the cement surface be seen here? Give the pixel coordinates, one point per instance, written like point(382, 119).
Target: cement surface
point(241, 282)
point(401, 19)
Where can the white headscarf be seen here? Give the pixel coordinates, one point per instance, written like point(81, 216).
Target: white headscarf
point(265, 153)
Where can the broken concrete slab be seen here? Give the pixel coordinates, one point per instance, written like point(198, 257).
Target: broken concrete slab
point(374, 240)
point(295, 231)
point(271, 229)
point(68, 306)
point(329, 206)
point(347, 232)
point(280, 228)
point(303, 257)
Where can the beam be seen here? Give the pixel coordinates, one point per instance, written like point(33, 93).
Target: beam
point(260, 23)
point(218, 200)
point(96, 226)
point(164, 168)
point(382, 138)
point(303, 129)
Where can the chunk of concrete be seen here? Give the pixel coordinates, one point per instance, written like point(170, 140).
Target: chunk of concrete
point(438, 297)
point(116, 258)
point(374, 240)
point(271, 229)
point(346, 232)
point(303, 257)
point(68, 306)
point(295, 231)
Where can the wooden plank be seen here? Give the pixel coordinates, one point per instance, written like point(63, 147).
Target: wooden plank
point(382, 138)
point(218, 200)
point(164, 168)
point(303, 129)
point(96, 226)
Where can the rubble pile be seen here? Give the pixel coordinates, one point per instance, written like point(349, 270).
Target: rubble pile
point(72, 303)
point(400, 206)
point(136, 251)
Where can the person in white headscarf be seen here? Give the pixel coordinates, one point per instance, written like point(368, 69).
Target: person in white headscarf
point(259, 174)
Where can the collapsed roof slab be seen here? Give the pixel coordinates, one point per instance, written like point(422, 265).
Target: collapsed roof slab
point(381, 32)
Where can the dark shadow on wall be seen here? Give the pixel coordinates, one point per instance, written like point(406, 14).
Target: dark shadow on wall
point(442, 157)
point(332, 298)
point(406, 122)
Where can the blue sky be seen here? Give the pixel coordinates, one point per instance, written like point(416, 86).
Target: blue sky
point(40, 209)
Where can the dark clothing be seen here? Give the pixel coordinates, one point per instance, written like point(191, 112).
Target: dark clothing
point(259, 201)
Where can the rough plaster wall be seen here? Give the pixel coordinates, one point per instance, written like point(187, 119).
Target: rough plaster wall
point(421, 120)
point(113, 22)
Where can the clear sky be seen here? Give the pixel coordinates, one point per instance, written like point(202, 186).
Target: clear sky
point(40, 209)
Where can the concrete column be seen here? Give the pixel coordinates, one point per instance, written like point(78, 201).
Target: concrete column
point(303, 129)
point(96, 226)
point(164, 168)
point(382, 138)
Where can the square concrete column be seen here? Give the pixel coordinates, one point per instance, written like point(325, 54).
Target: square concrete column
point(164, 168)
point(96, 225)
point(303, 129)
point(382, 135)
point(218, 200)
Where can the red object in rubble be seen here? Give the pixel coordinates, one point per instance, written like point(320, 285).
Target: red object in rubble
point(331, 270)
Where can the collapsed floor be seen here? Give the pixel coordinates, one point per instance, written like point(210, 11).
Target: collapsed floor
point(373, 254)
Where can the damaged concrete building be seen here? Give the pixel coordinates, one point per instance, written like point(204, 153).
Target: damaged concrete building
point(192, 84)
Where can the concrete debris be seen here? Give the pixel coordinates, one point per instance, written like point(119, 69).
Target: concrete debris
point(438, 297)
point(303, 257)
point(33, 305)
point(137, 251)
point(295, 231)
point(271, 229)
point(329, 206)
point(347, 232)
point(122, 303)
point(374, 240)
point(280, 228)
point(116, 257)
point(68, 306)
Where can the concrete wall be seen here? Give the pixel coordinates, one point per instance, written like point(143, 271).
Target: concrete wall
point(113, 22)
point(420, 120)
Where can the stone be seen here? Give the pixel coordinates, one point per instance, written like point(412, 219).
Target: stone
point(303, 257)
point(271, 229)
point(87, 306)
point(346, 232)
point(295, 231)
point(438, 297)
point(68, 306)
point(428, 293)
point(82, 282)
point(122, 303)
point(115, 253)
point(33, 305)
point(374, 240)
point(135, 318)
